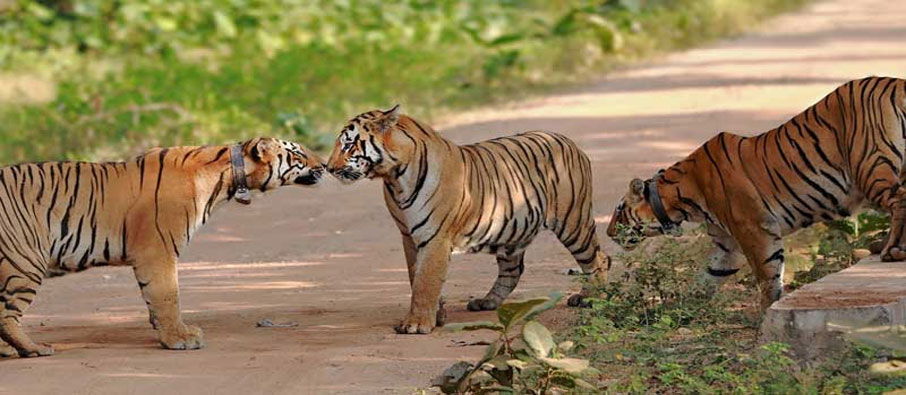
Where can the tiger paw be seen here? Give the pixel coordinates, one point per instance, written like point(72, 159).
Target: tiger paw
point(484, 304)
point(413, 325)
point(37, 350)
point(187, 337)
point(7, 351)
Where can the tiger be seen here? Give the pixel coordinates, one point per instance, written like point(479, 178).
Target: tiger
point(821, 165)
point(493, 197)
point(60, 217)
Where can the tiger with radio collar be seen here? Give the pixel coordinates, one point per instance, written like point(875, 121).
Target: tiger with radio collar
point(60, 217)
point(820, 165)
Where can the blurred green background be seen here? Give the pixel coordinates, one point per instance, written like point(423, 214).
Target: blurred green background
point(102, 79)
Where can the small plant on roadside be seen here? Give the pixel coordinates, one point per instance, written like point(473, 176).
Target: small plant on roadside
point(538, 367)
point(628, 236)
point(661, 284)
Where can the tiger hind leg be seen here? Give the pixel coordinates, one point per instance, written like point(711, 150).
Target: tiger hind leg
point(895, 248)
point(886, 185)
point(16, 295)
point(510, 269)
point(887, 192)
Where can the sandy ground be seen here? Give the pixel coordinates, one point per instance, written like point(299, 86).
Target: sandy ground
point(330, 258)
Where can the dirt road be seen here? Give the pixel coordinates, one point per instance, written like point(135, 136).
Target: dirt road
point(330, 258)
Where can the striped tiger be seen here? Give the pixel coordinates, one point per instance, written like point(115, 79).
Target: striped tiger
point(493, 196)
point(822, 164)
point(59, 217)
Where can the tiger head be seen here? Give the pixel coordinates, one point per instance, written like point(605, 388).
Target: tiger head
point(271, 163)
point(634, 219)
point(366, 148)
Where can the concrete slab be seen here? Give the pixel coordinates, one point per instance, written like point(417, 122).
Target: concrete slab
point(813, 318)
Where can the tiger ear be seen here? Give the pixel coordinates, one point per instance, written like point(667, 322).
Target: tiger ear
point(264, 147)
point(389, 118)
point(636, 189)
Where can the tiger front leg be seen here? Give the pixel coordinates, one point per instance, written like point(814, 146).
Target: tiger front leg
point(427, 283)
point(724, 260)
point(763, 248)
point(7, 350)
point(411, 254)
point(157, 278)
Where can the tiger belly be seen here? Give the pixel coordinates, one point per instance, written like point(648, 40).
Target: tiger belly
point(500, 236)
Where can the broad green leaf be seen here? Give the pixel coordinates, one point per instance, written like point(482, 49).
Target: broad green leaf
point(608, 34)
point(473, 326)
point(165, 24)
point(569, 365)
point(499, 362)
point(38, 11)
point(506, 39)
point(565, 25)
point(225, 25)
point(538, 338)
point(492, 351)
point(554, 297)
point(513, 312)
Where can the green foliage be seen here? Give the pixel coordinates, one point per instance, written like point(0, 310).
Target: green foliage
point(661, 287)
point(539, 368)
point(656, 332)
point(837, 242)
point(134, 74)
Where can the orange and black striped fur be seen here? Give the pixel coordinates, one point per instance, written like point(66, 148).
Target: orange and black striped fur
point(69, 216)
point(750, 191)
point(493, 196)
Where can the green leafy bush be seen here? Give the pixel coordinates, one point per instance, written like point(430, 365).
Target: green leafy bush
point(662, 286)
point(151, 72)
point(657, 331)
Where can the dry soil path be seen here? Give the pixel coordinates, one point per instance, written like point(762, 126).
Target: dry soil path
point(330, 258)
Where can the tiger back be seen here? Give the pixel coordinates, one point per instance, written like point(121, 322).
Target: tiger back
point(493, 196)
